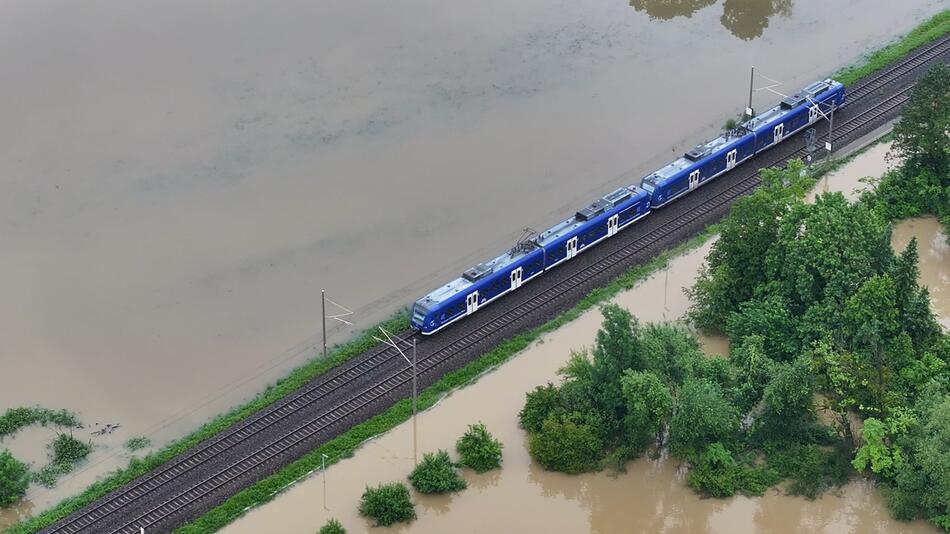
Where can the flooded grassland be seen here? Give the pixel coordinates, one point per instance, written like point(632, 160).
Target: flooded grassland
point(181, 179)
point(651, 496)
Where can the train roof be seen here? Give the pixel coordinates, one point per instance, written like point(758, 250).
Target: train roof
point(695, 154)
point(526, 247)
point(789, 103)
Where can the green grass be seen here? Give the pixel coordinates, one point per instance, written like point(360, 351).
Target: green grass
point(139, 466)
point(15, 419)
point(138, 443)
point(929, 31)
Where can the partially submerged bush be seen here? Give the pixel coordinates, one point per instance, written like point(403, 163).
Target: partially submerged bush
point(14, 479)
point(436, 474)
point(332, 527)
point(566, 443)
point(478, 449)
point(137, 443)
point(387, 504)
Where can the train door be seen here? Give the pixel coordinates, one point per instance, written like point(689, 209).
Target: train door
point(693, 179)
point(731, 158)
point(571, 247)
point(612, 223)
point(813, 114)
point(516, 278)
point(778, 133)
point(471, 303)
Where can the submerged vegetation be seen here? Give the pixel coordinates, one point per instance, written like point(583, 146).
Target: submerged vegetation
point(14, 479)
point(137, 443)
point(478, 449)
point(387, 504)
point(65, 452)
point(436, 474)
point(15, 419)
point(332, 527)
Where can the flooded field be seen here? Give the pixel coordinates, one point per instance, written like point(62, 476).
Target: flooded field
point(651, 496)
point(181, 179)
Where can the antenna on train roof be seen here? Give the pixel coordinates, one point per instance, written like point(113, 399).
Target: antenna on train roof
point(525, 243)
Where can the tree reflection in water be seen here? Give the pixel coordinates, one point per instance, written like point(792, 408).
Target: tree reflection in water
point(746, 19)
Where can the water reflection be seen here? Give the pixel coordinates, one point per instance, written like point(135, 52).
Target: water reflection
point(668, 9)
point(746, 19)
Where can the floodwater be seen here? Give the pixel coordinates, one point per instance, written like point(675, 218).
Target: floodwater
point(934, 260)
point(651, 496)
point(180, 179)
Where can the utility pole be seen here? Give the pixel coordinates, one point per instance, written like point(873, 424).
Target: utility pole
point(323, 307)
point(323, 467)
point(389, 341)
point(749, 111)
point(831, 127)
point(338, 317)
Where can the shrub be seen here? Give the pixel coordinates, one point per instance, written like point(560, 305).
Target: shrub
point(567, 444)
point(14, 479)
point(137, 443)
point(387, 504)
point(436, 474)
point(478, 449)
point(332, 527)
point(69, 450)
point(538, 404)
point(717, 474)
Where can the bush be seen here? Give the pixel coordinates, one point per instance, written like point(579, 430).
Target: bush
point(14, 479)
point(811, 468)
point(717, 474)
point(567, 444)
point(332, 527)
point(478, 449)
point(436, 474)
point(67, 449)
point(538, 404)
point(387, 504)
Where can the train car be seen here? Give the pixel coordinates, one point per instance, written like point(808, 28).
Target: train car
point(601, 219)
point(477, 287)
point(488, 281)
point(699, 166)
point(606, 216)
point(795, 113)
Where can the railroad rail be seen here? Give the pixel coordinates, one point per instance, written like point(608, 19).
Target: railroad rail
point(252, 447)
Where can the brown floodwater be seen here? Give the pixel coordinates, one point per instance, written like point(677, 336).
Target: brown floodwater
point(651, 496)
point(180, 179)
point(934, 260)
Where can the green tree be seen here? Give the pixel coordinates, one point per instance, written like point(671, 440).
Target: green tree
point(538, 405)
point(567, 443)
point(332, 527)
point(835, 378)
point(436, 474)
point(770, 319)
point(387, 504)
point(649, 404)
point(921, 134)
point(478, 449)
point(702, 416)
point(787, 409)
point(615, 349)
point(736, 263)
point(878, 452)
point(14, 479)
point(753, 369)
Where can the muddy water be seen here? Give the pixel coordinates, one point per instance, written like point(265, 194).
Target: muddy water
point(180, 179)
point(650, 497)
point(851, 179)
point(934, 260)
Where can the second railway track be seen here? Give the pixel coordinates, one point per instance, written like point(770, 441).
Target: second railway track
point(199, 479)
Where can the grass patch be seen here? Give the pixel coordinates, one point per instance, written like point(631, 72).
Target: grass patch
point(927, 32)
point(140, 466)
point(137, 443)
point(15, 419)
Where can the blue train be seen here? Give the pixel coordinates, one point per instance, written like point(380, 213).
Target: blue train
point(489, 281)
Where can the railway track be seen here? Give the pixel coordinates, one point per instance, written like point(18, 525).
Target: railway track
point(150, 501)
